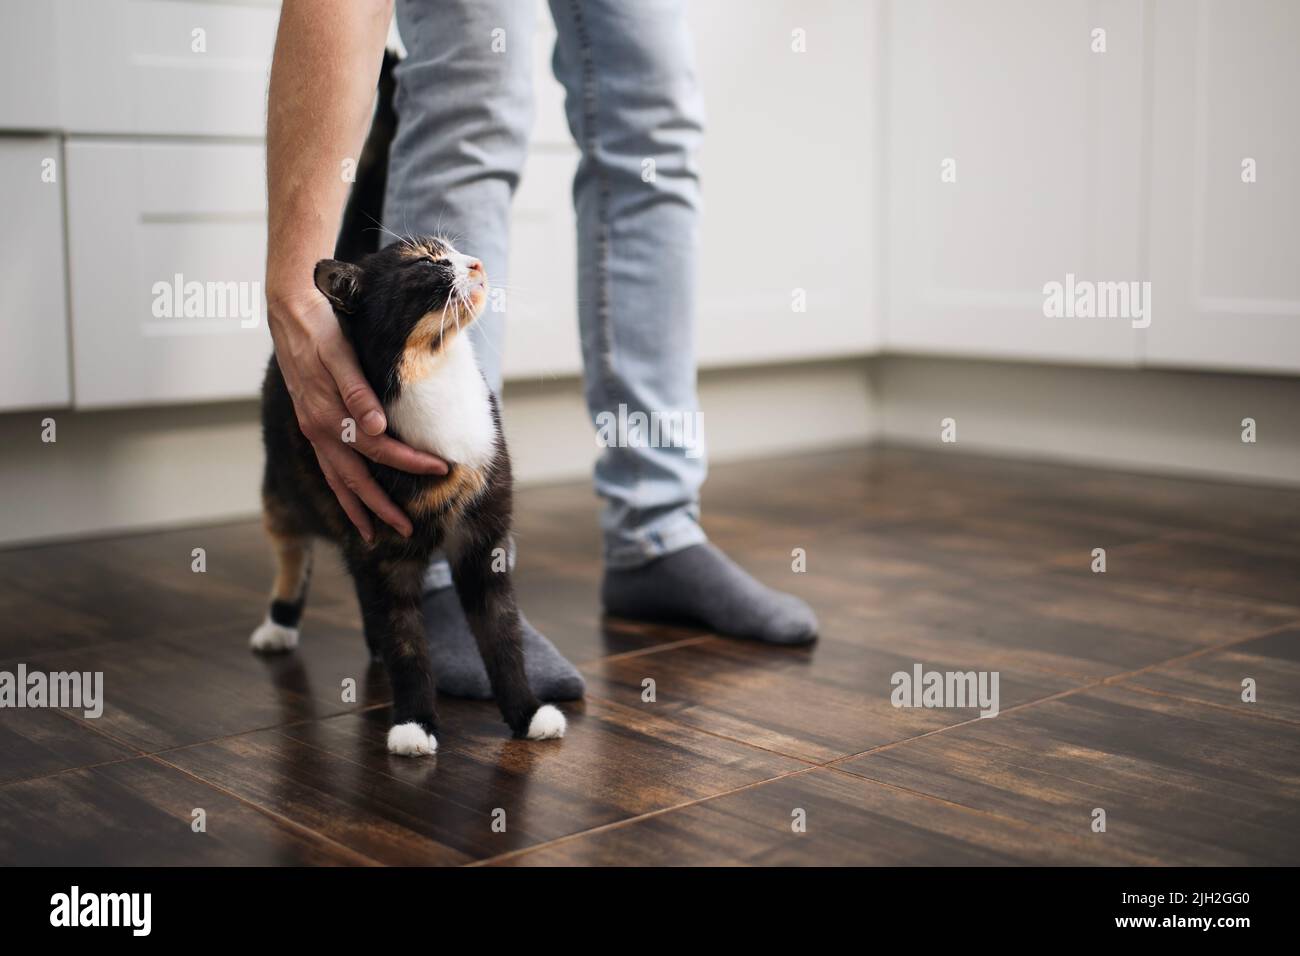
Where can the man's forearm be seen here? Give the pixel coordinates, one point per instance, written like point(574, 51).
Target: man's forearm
point(323, 77)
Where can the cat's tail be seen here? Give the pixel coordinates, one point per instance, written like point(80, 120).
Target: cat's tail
point(360, 234)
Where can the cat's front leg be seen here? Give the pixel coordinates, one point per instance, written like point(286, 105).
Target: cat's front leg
point(487, 597)
point(389, 592)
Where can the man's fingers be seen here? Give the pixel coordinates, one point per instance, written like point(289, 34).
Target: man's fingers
point(350, 503)
point(358, 396)
point(389, 451)
point(352, 471)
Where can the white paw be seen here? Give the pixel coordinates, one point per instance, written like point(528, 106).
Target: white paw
point(411, 740)
point(548, 722)
point(272, 638)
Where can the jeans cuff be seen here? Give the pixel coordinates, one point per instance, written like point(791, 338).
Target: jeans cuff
point(679, 534)
point(438, 574)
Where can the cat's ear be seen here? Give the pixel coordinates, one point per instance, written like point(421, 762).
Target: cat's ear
point(340, 282)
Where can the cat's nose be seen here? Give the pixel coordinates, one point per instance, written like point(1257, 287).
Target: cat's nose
point(474, 266)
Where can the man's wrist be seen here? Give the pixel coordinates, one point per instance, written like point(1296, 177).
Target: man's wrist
point(292, 306)
point(290, 296)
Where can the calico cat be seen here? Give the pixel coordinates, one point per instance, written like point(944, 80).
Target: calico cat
point(405, 309)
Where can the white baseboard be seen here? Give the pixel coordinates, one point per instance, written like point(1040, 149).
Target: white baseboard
point(1135, 419)
point(143, 469)
point(152, 468)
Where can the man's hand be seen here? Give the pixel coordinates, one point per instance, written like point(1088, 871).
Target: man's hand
point(327, 387)
point(319, 105)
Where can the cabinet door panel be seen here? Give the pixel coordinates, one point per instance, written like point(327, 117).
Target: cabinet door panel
point(143, 219)
point(789, 256)
point(1015, 161)
point(33, 308)
point(1225, 251)
point(135, 66)
point(29, 65)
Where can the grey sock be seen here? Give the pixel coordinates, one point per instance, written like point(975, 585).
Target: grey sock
point(460, 669)
point(702, 585)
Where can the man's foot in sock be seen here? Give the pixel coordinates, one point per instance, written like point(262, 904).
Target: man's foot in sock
point(702, 585)
point(460, 669)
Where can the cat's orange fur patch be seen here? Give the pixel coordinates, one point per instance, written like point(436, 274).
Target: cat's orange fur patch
point(460, 486)
point(292, 554)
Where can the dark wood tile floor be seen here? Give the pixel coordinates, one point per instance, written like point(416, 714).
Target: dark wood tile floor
point(1119, 691)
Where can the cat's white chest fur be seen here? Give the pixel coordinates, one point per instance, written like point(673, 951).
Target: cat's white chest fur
point(447, 412)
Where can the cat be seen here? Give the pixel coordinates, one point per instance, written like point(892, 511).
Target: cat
point(406, 309)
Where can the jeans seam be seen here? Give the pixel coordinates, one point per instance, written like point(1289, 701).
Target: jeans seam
point(605, 240)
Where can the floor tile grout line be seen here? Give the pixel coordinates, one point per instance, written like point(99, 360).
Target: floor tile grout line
point(1114, 679)
point(1202, 651)
point(600, 699)
point(645, 651)
point(1008, 656)
point(614, 824)
point(337, 756)
point(470, 755)
point(137, 752)
point(260, 730)
point(1173, 588)
point(85, 723)
point(198, 631)
point(1209, 703)
point(812, 767)
point(1037, 827)
point(467, 754)
point(617, 824)
point(1096, 682)
point(58, 773)
point(268, 813)
point(669, 718)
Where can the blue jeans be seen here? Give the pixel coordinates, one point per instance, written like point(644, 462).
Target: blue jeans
point(465, 111)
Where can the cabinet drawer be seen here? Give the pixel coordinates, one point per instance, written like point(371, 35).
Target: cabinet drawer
point(29, 85)
point(131, 66)
point(33, 310)
point(143, 221)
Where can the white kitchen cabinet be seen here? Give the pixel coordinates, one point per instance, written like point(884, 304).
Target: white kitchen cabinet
point(33, 307)
point(1225, 253)
point(828, 228)
point(790, 171)
point(1044, 139)
point(541, 294)
point(140, 215)
point(164, 67)
point(29, 65)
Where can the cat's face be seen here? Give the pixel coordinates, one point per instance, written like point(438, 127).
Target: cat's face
point(403, 306)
